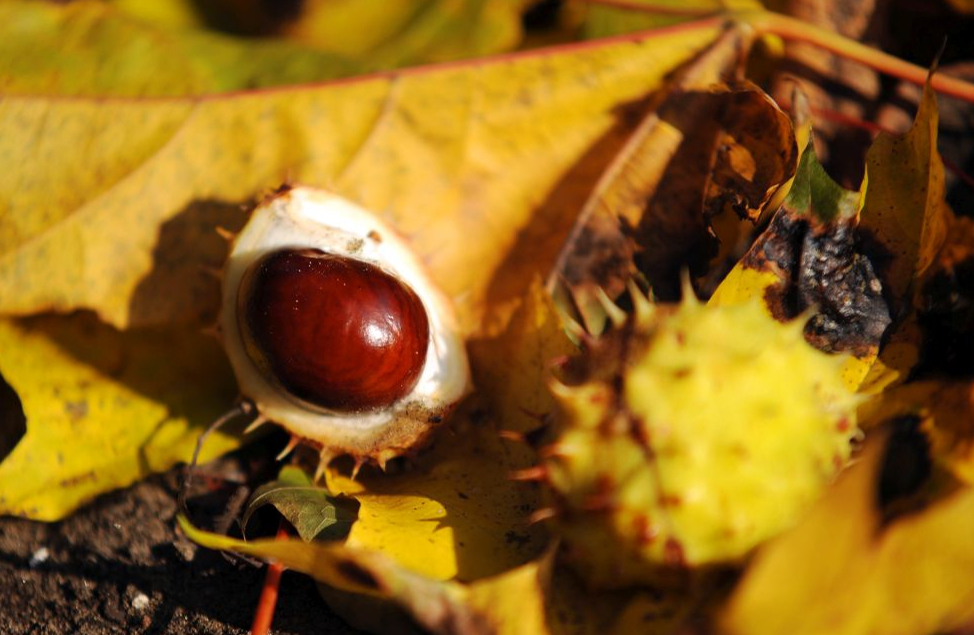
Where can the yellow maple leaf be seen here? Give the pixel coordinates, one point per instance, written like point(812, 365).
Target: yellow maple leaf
point(469, 162)
point(488, 165)
point(103, 408)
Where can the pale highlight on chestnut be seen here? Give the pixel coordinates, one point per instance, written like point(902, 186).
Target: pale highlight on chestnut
point(335, 331)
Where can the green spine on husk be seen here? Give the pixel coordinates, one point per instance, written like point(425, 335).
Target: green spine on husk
point(688, 436)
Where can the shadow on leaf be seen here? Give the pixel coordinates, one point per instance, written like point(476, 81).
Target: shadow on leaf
point(183, 286)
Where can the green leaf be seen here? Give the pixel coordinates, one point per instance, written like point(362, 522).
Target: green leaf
point(311, 510)
point(815, 195)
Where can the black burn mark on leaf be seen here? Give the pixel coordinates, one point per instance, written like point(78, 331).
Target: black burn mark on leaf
point(822, 268)
point(882, 260)
point(13, 421)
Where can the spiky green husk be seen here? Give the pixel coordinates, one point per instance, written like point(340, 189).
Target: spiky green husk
point(693, 434)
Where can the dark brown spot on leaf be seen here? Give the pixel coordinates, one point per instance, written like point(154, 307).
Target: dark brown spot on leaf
point(76, 410)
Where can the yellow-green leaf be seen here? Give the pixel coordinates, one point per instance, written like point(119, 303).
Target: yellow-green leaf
point(514, 602)
point(87, 48)
point(125, 185)
point(310, 509)
point(375, 34)
point(574, 608)
point(389, 35)
point(530, 599)
point(104, 408)
point(168, 14)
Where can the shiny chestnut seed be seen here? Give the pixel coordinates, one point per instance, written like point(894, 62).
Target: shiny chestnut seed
point(336, 332)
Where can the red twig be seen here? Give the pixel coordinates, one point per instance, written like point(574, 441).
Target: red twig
point(268, 595)
point(959, 172)
point(849, 120)
point(794, 30)
point(855, 122)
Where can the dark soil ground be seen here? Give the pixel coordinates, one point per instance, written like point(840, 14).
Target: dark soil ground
point(119, 565)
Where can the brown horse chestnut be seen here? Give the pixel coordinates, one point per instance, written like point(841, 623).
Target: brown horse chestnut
point(335, 331)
